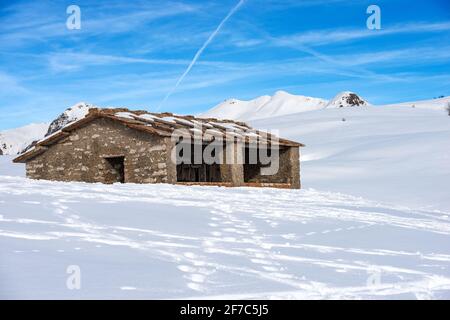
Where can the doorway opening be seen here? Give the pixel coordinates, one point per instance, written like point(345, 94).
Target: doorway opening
point(116, 169)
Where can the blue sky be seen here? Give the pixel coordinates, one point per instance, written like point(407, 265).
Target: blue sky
point(131, 53)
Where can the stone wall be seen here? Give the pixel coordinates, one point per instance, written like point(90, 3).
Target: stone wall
point(81, 156)
point(232, 170)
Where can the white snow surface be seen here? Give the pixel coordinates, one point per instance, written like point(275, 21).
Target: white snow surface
point(371, 222)
point(15, 140)
point(165, 241)
point(391, 154)
point(434, 104)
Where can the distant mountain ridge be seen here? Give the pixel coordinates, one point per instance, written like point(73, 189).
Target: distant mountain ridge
point(283, 103)
point(279, 104)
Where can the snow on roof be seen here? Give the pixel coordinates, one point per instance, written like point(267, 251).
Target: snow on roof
point(146, 116)
point(169, 119)
point(127, 115)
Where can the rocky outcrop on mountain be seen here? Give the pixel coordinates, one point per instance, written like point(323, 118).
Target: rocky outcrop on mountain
point(78, 111)
point(347, 99)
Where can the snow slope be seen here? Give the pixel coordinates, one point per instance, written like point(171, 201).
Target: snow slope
point(392, 154)
point(15, 140)
point(265, 106)
point(434, 104)
point(165, 241)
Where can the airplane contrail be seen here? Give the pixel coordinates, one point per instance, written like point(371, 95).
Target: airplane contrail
point(200, 51)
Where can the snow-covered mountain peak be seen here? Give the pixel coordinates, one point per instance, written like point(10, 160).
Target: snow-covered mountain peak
point(347, 99)
point(280, 103)
point(77, 111)
point(282, 93)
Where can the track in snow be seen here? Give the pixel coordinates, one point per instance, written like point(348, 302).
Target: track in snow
point(163, 241)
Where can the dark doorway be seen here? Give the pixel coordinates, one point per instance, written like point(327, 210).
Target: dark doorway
point(192, 171)
point(116, 170)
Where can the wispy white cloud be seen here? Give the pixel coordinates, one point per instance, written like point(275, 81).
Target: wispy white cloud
point(331, 36)
point(25, 23)
point(70, 61)
point(62, 61)
point(287, 4)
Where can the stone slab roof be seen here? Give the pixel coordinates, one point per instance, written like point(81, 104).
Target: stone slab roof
point(162, 124)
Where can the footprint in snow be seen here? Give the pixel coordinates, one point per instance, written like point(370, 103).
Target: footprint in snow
point(190, 255)
point(196, 277)
point(208, 243)
point(272, 269)
point(195, 286)
point(126, 288)
point(31, 202)
point(185, 268)
point(261, 261)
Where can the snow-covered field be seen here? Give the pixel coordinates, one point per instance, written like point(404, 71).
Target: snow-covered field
point(373, 221)
point(399, 155)
point(164, 241)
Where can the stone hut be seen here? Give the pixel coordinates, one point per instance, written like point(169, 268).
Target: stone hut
point(119, 145)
